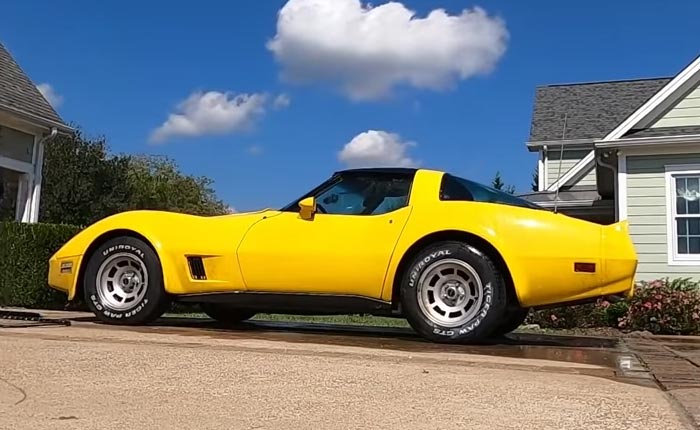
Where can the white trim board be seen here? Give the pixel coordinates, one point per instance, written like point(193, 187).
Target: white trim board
point(16, 165)
point(621, 205)
point(643, 116)
point(673, 259)
point(540, 171)
point(576, 172)
point(661, 150)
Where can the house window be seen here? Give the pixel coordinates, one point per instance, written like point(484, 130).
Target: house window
point(9, 194)
point(16, 145)
point(683, 211)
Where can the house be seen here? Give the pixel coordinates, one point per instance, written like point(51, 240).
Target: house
point(27, 123)
point(626, 150)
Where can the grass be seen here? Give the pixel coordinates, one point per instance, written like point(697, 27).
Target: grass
point(362, 320)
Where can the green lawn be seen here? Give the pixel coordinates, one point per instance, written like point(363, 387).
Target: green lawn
point(330, 319)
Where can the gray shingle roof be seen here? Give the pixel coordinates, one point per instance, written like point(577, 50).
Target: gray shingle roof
point(19, 94)
point(594, 109)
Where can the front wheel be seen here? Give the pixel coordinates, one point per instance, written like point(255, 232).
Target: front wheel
point(453, 293)
point(123, 282)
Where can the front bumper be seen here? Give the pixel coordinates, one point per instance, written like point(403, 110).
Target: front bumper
point(63, 272)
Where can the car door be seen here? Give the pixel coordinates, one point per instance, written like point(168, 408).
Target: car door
point(345, 248)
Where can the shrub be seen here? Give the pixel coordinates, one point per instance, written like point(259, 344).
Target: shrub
point(661, 306)
point(566, 317)
point(665, 307)
point(25, 250)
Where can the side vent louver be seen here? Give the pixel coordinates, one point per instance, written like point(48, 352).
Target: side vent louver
point(196, 268)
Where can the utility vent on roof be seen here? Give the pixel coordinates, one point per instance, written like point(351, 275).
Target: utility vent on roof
point(196, 268)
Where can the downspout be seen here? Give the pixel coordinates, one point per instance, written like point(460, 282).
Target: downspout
point(38, 172)
point(613, 169)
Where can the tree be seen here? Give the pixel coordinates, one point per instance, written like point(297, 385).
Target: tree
point(83, 183)
point(498, 184)
point(155, 182)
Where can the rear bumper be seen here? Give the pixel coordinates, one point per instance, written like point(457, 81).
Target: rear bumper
point(620, 260)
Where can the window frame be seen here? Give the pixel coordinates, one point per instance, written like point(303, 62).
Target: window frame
point(670, 174)
point(340, 176)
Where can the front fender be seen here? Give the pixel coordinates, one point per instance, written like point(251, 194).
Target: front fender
point(68, 263)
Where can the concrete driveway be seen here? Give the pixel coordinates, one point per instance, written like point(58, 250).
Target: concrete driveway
point(191, 374)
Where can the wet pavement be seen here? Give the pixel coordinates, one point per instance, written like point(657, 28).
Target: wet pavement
point(669, 364)
point(608, 357)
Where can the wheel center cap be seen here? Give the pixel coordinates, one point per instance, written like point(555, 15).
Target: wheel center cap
point(129, 281)
point(453, 292)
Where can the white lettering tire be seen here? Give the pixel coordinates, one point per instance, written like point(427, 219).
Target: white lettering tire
point(453, 293)
point(123, 282)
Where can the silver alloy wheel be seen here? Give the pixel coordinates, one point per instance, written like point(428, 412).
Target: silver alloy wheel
point(122, 281)
point(450, 292)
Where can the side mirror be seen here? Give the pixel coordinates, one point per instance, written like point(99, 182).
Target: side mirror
point(307, 208)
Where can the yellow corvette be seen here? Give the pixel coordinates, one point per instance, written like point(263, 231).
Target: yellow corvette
point(458, 260)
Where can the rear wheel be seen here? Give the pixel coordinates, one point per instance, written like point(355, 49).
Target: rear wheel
point(452, 292)
point(123, 282)
point(226, 313)
point(512, 319)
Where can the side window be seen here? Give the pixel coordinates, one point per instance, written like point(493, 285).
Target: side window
point(365, 195)
point(451, 189)
point(456, 188)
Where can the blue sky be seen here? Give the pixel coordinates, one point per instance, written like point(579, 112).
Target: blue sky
point(121, 67)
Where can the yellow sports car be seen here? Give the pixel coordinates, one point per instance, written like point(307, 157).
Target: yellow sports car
point(459, 260)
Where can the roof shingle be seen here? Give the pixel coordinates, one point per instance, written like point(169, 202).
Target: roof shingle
point(592, 109)
point(19, 94)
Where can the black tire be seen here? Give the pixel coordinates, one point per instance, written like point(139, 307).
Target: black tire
point(488, 313)
point(141, 309)
point(512, 319)
point(225, 313)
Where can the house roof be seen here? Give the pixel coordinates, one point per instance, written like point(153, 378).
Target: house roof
point(592, 109)
point(20, 96)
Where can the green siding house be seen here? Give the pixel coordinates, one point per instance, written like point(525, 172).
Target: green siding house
point(626, 150)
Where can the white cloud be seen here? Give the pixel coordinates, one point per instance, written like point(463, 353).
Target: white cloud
point(212, 112)
point(376, 148)
point(281, 101)
point(367, 50)
point(50, 95)
point(255, 150)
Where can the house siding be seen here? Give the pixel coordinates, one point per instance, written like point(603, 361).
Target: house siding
point(646, 213)
point(570, 158)
point(686, 113)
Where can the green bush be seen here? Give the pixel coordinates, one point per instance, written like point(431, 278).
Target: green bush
point(661, 306)
point(25, 250)
point(665, 307)
point(580, 316)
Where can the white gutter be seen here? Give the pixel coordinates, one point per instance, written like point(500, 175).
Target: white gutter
point(38, 175)
point(649, 141)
